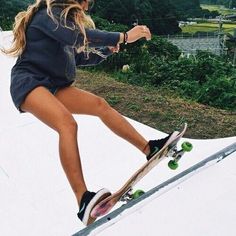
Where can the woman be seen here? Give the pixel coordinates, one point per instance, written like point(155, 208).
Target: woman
point(51, 39)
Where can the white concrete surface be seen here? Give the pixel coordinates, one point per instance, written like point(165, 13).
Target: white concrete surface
point(36, 199)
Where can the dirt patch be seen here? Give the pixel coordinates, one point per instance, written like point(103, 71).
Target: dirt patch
point(160, 109)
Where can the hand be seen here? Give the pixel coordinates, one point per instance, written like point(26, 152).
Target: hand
point(139, 31)
point(115, 49)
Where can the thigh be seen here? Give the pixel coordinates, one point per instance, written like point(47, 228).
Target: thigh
point(46, 107)
point(78, 101)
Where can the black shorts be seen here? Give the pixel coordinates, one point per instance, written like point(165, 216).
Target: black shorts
point(23, 82)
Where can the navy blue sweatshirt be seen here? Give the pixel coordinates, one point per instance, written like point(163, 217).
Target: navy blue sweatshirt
point(50, 48)
point(50, 58)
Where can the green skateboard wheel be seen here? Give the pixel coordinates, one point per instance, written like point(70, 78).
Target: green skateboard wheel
point(187, 147)
point(173, 165)
point(137, 194)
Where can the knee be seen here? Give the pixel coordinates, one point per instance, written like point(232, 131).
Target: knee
point(102, 106)
point(67, 124)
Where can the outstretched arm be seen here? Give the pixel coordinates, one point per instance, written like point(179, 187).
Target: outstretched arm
point(74, 37)
point(71, 35)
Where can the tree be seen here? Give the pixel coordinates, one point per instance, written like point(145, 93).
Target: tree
point(164, 17)
point(8, 11)
point(158, 15)
point(186, 8)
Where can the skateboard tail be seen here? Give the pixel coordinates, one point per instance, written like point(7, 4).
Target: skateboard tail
point(102, 208)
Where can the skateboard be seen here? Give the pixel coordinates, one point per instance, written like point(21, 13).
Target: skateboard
point(125, 193)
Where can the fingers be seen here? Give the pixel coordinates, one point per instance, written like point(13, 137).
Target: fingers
point(115, 49)
point(146, 32)
point(138, 32)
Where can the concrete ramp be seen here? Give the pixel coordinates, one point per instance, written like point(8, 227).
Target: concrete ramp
point(36, 199)
point(133, 208)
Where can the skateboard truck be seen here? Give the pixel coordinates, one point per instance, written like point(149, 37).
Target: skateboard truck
point(127, 196)
point(130, 195)
point(177, 155)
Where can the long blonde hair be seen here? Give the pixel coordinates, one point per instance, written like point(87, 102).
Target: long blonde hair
point(23, 18)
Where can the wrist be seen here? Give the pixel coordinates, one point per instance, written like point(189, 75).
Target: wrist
point(125, 38)
point(122, 36)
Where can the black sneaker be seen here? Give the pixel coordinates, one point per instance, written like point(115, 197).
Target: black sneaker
point(156, 145)
point(88, 201)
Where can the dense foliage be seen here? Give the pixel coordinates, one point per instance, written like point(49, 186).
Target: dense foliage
point(205, 78)
point(8, 11)
point(186, 8)
point(159, 15)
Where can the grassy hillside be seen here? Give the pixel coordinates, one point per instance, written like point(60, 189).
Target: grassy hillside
point(160, 109)
point(212, 26)
point(209, 27)
point(221, 9)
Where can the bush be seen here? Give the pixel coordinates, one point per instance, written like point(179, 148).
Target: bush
point(205, 78)
point(219, 92)
point(104, 24)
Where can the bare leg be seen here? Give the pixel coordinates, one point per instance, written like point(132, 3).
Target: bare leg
point(81, 102)
point(41, 103)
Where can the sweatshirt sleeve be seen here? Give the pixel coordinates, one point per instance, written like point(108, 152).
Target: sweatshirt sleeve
point(72, 37)
point(92, 58)
point(99, 38)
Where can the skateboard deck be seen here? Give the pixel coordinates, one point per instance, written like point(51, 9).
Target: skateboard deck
point(123, 194)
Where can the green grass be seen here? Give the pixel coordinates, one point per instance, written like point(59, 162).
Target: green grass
point(221, 9)
point(208, 27)
point(212, 26)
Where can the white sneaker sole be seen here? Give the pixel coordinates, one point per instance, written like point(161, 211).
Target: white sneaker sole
point(100, 195)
